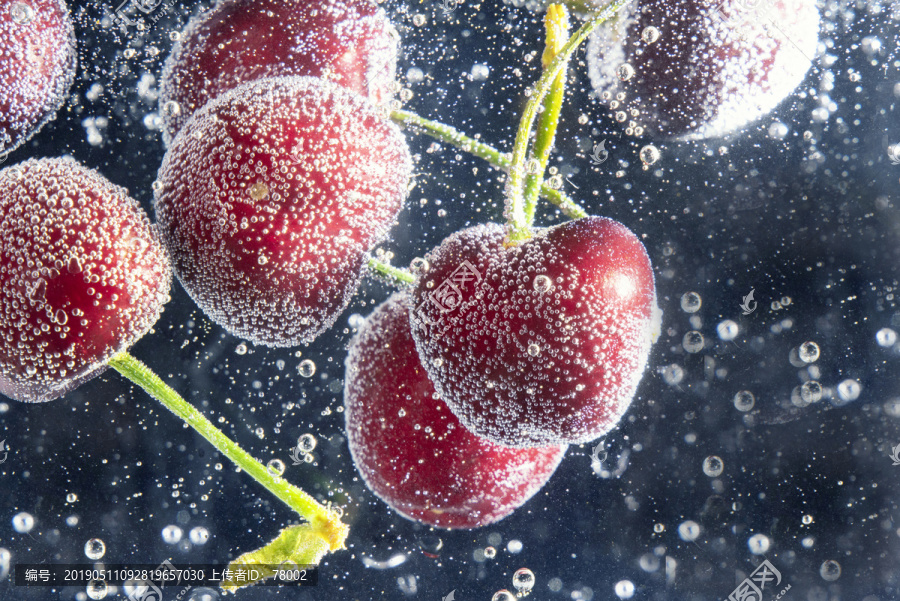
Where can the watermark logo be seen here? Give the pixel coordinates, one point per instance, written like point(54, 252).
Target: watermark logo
point(895, 455)
point(448, 6)
point(600, 154)
point(137, 13)
point(450, 294)
point(893, 152)
point(450, 596)
point(751, 588)
point(746, 305)
point(5, 451)
point(3, 158)
point(598, 455)
point(298, 455)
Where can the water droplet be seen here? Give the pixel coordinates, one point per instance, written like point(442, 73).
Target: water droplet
point(199, 535)
point(490, 552)
point(275, 467)
point(534, 350)
point(830, 570)
point(306, 443)
point(809, 352)
point(419, 266)
point(259, 191)
point(97, 589)
point(692, 341)
point(758, 544)
point(625, 72)
point(172, 534)
point(21, 13)
point(689, 530)
point(542, 284)
point(713, 466)
point(744, 401)
point(649, 154)
point(727, 330)
point(624, 589)
point(690, 302)
point(23, 522)
point(523, 580)
point(307, 368)
point(650, 34)
point(94, 549)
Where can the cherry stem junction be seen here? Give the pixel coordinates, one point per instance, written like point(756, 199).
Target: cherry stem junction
point(500, 160)
point(556, 23)
point(394, 275)
point(519, 224)
point(325, 523)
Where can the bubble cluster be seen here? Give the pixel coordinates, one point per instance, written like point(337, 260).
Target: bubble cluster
point(351, 43)
point(336, 175)
point(71, 296)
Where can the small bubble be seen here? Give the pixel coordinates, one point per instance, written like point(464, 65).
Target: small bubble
point(830, 570)
point(649, 154)
point(21, 13)
point(71, 497)
point(808, 352)
point(419, 20)
point(503, 595)
point(673, 374)
point(490, 552)
point(659, 528)
point(275, 467)
point(23, 522)
point(437, 362)
point(259, 191)
point(811, 392)
point(713, 466)
point(758, 544)
point(692, 341)
point(523, 580)
point(129, 53)
point(849, 390)
point(199, 535)
point(241, 349)
point(172, 534)
point(625, 72)
point(419, 266)
point(175, 36)
point(886, 337)
point(744, 401)
point(807, 519)
point(690, 302)
point(307, 368)
point(542, 284)
point(94, 549)
point(727, 330)
point(307, 443)
point(514, 546)
point(624, 589)
point(171, 109)
point(650, 34)
point(534, 350)
point(689, 530)
point(97, 589)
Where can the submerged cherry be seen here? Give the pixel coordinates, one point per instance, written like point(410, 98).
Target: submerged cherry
point(694, 69)
point(37, 66)
point(412, 451)
point(83, 276)
point(349, 41)
point(270, 199)
point(539, 343)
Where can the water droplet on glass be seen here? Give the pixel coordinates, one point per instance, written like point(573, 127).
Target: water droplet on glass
point(523, 580)
point(689, 530)
point(625, 72)
point(650, 34)
point(649, 154)
point(744, 401)
point(21, 13)
point(199, 535)
point(808, 352)
point(23, 522)
point(306, 368)
point(758, 544)
point(693, 341)
point(624, 589)
point(542, 284)
point(275, 467)
point(713, 466)
point(94, 549)
point(306, 443)
point(690, 302)
point(830, 570)
point(97, 589)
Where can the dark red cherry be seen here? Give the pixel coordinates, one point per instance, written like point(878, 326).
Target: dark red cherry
point(270, 199)
point(694, 69)
point(349, 41)
point(411, 450)
point(83, 276)
point(540, 343)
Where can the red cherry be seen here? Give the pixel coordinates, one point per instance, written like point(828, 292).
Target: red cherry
point(694, 69)
point(539, 343)
point(82, 276)
point(411, 450)
point(238, 41)
point(270, 198)
point(37, 66)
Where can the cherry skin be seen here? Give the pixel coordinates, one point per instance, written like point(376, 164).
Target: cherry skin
point(412, 451)
point(540, 343)
point(83, 276)
point(707, 68)
point(37, 66)
point(237, 41)
point(270, 199)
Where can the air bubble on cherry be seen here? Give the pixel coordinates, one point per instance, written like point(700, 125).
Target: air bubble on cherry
point(542, 284)
point(21, 13)
point(523, 580)
point(94, 549)
point(534, 350)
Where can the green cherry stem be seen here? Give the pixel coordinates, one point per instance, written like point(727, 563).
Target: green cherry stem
point(556, 22)
point(500, 160)
point(325, 523)
point(519, 226)
point(394, 275)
